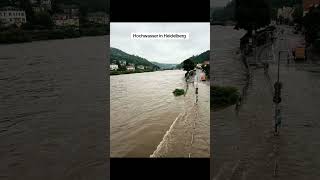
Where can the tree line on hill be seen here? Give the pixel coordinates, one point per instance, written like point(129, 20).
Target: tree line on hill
point(118, 55)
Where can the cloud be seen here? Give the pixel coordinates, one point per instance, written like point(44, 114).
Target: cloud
point(162, 51)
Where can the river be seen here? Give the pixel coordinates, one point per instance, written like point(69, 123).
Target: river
point(53, 98)
point(243, 143)
point(147, 120)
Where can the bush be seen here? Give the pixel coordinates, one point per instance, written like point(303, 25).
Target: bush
point(223, 96)
point(178, 92)
point(115, 73)
point(14, 36)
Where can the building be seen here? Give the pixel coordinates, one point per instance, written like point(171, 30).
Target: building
point(71, 10)
point(286, 13)
point(206, 62)
point(41, 5)
point(38, 9)
point(307, 4)
point(64, 20)
point(198, 65)
point(131, 68)
point(98, 18)
point(12, 16)
point(123, 63)
point(140, 67)
point(114, 67)
point(68, 17)
point(46, 3)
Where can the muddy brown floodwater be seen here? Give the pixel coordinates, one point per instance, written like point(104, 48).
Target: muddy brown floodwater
point(147, 120)
point(53, 102)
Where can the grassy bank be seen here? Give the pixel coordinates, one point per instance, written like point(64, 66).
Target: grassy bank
point(223, 96)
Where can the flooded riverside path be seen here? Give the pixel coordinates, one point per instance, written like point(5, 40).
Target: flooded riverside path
point(53, 100)
point(148, 120)
point(243, 144)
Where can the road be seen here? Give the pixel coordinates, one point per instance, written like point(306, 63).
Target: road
point(249, 149)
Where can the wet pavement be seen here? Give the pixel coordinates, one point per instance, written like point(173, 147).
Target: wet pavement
point(244, 145)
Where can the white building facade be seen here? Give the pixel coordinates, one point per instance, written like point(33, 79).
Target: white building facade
point(131, 68)
point(140, 67)
point(12, 16)
point(114, 67)
point(98, 18)
point(65, 20)
point(286, 13)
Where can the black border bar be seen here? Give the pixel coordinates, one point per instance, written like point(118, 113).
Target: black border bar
point(159, 11)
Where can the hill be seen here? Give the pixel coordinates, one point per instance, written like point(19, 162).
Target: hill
point(205, 56)
point(118, 55)
point(165, 66)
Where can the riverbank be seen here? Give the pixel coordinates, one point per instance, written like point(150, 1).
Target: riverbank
point(11, 36)
point(112, 73)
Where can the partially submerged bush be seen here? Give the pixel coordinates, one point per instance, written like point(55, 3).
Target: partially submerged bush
point(223, 96)
point(178, 92)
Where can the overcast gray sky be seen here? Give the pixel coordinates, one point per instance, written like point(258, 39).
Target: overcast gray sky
point(162, 51)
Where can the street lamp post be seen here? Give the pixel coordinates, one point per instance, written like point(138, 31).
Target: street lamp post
point(277, 97)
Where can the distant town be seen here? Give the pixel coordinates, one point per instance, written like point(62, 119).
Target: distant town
point(124, 63)
point(30, 20)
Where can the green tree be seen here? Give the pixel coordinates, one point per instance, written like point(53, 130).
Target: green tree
point(206, 69)
point(188, 65)
point(252, 14)
point(26, 5)
point(43, 19)
point(297, 14)
point(312, 25)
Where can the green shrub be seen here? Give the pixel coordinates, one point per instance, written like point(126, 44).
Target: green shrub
point(14, 36)
point(223, 96)
point(178, 92)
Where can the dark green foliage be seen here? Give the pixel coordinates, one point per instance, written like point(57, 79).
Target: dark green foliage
point(188, 65)
point(311, 23)
point(43, 19)
point(14, 36)
point(205, 56)
point(206, 69)
point(297, 14)
point(281, 3)
point(94, 30)
point(165, 66)
point(221, 14)
point(117, 55)
point(252, 14)
point(178, 92)
point(223, 96)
